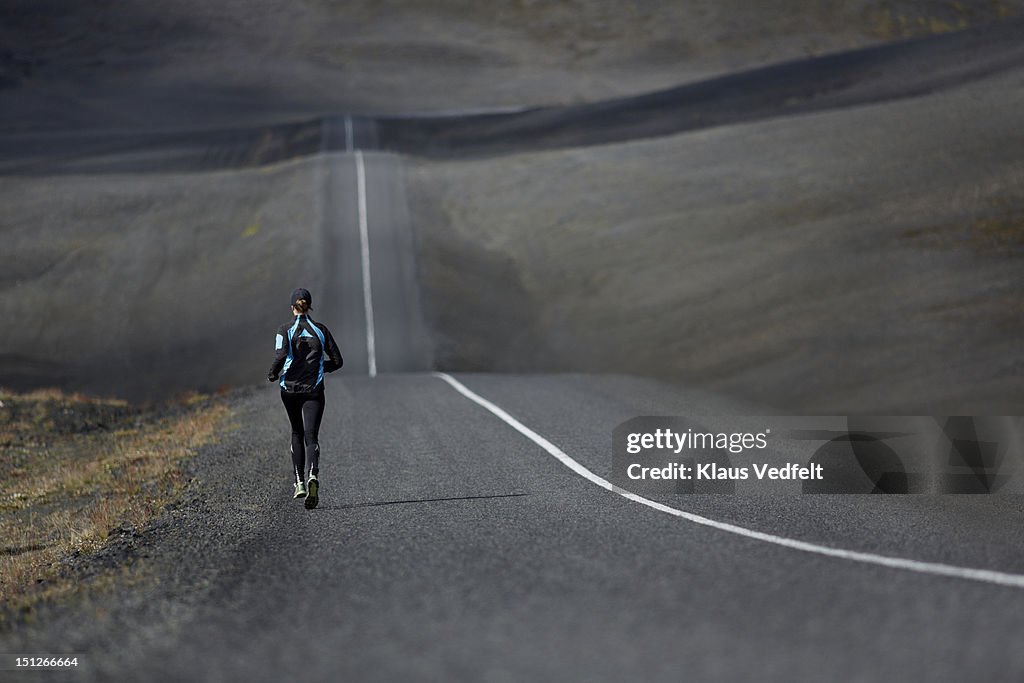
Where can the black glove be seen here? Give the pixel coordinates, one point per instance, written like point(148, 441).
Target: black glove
point(272, 377)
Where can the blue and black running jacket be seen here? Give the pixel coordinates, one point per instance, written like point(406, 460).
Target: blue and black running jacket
point(305, 350)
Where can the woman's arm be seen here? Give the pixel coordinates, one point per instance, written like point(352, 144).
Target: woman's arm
point(280, 354)
point(334, 359)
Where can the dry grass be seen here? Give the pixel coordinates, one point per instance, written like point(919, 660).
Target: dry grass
point(1003, 227)
point(997, 227)
point(75, 470)
point(899, 20)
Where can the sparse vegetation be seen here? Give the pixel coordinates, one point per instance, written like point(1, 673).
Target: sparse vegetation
point(75, 471)
point(998, 229)
point(898, 20)
point(1003, 227)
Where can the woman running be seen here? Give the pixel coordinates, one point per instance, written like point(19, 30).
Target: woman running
point(305, 350)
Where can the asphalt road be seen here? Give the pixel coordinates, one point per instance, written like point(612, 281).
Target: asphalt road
point(449, 546)
point(370, 286)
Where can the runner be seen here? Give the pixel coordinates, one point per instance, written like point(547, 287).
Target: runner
point(305, 350)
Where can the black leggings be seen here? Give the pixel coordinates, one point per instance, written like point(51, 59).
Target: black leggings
point(305, 412)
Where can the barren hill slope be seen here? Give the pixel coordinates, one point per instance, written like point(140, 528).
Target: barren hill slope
point(192, 63)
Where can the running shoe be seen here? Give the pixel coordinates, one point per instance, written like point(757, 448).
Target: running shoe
point(314, 488)
point(300, 490)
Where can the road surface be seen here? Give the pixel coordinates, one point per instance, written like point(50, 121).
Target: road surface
point(455, 541)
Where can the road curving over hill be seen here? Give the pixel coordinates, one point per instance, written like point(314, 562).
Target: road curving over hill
point(452, 544)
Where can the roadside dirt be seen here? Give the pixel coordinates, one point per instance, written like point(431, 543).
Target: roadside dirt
point(80, 478)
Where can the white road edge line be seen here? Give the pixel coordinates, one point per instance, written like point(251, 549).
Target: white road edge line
point(364, 245)
point(982, 575)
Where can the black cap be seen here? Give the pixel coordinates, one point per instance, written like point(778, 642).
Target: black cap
point(301, 293)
